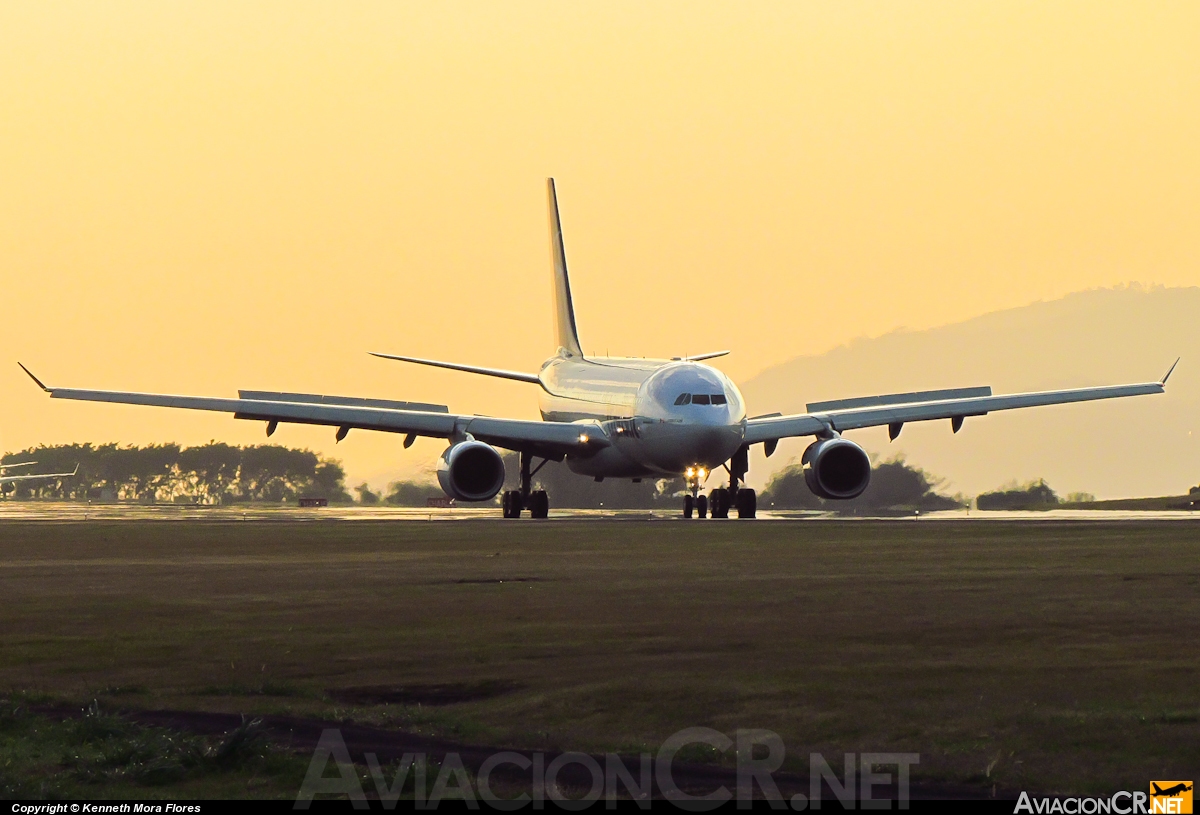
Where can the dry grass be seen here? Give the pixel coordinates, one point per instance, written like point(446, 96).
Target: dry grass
point(1053, 656)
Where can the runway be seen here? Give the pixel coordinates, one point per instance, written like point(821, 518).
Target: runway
point(1048, 652)
point(74, 512)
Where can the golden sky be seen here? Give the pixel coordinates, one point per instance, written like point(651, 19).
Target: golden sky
point(197, 197)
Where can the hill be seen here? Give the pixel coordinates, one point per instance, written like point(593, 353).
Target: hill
point(1138, 447)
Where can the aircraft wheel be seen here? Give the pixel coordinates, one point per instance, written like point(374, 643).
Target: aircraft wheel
point(539, 504)
point(511, 502)
point(747, 503)
point(689, 504)
point(701, 506)
point(718, 500)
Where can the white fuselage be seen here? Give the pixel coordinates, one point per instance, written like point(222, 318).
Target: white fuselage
point(663, 416)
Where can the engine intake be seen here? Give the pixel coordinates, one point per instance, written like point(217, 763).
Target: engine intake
point(471, 471)
point(836, 468)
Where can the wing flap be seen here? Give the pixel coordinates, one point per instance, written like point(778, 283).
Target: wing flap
point(400, 421)
point(898, 399)
point(350, 401)
point(516, 434)
point(853, 418)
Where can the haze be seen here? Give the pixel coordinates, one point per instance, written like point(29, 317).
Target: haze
point(200, 197)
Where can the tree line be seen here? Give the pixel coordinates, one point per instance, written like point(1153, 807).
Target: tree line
point(567, 490)
point(895, 486)
point(218, 473)
point(213, 473)
point(1033, 495)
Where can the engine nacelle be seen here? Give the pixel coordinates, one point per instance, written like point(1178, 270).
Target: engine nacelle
point(471, 471)
point(836, 468)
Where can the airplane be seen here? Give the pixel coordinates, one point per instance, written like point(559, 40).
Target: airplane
point(619, 417)
point(6, 479)
point(1170, 792)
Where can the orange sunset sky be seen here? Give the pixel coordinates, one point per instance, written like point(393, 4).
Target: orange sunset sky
point(197, 197)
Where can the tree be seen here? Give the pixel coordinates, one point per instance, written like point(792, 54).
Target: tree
point(271, 472)
point(212, 473)
point(210, 470)
point(1034, 495)
point(154, 468)
point(788, 490)
point(329, 481)
point(58, 459)
point(568, 489)
point(895, 486)
point(412, 493)
point(365, 496)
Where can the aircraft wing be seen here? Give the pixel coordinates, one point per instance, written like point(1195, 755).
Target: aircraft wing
point(894, 411)
point(6, 479)
point(549, 439)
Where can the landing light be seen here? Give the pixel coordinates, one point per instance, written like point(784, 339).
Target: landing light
point(691, 471)
point(583, 438)
point(702, 473)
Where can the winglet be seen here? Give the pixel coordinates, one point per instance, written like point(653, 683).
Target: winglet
point(1167, 376)
point(35, 379)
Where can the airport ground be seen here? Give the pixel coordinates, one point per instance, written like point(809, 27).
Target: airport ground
point(1054, 656)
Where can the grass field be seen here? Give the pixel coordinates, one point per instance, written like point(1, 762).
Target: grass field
point(1051, 656)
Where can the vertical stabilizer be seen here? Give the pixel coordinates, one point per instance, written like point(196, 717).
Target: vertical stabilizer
point(564, 311)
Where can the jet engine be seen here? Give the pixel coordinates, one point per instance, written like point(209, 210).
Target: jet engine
point(471, 471)
point(836, 468)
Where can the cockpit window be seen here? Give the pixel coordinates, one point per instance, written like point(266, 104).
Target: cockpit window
point(702, 399)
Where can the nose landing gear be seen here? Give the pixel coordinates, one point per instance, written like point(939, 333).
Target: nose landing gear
point(742, 499)
point(693, 500)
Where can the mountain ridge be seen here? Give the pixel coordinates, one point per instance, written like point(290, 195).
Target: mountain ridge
point(1126, 448)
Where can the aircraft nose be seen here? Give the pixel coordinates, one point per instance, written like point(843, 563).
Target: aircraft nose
point(675, 447)
point(711, 443)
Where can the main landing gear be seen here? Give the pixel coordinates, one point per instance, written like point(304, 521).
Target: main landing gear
point(721, 500)
point(513, 502)
point(697, 504)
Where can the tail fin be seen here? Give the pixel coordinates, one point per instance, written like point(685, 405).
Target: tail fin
point(564, 312)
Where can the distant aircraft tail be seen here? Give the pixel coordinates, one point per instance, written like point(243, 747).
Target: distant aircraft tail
point(564, 311)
